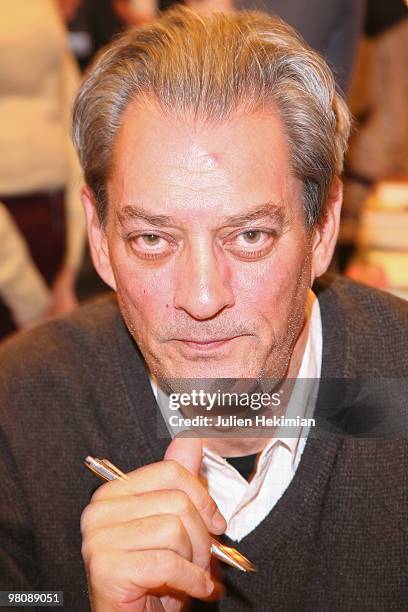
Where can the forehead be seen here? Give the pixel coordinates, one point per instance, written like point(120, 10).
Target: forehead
point(166, 163)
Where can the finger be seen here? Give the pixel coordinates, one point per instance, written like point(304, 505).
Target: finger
point(152, 532)
point(129, 576)
point(188, 452)
point(166, 475)
point(108, 512)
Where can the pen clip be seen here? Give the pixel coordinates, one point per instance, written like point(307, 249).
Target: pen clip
point(115, 470)
point(98, 467)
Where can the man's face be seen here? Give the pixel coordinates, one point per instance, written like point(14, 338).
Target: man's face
point(207, 244)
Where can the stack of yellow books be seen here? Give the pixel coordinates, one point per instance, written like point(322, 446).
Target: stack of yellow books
point(383, 235)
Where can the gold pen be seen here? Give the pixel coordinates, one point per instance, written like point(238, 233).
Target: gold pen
point(107, 471)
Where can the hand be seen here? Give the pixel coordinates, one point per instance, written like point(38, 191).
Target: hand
point(146, 541)
point(63, 299)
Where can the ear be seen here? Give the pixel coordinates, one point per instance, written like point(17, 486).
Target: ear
point(97, 239)
point(325, 234)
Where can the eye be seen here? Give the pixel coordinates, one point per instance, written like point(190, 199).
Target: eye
point(257, 239)
point(252, 236)
point(149, 243)
point(251, 243)
point(151, 240)
point(151, 246)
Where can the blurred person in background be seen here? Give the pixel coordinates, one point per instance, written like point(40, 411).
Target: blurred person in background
point(94, 23)
point(22, 287)
point(69, 8)
point(137, 12)
point(39, 173)
point(332, 28)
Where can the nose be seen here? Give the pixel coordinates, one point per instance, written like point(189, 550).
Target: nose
point(203, 287)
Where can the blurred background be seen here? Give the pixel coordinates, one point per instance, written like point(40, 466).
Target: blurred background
point(45, 268)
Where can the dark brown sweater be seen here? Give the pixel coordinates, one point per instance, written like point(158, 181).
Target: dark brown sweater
point(337, 540)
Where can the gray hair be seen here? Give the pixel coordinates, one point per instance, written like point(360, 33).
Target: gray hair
point(211, 67)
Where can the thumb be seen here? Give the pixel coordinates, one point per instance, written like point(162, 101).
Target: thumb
point(188, 452)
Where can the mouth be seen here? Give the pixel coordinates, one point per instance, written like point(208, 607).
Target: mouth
point(205, 344)
point(210, 346)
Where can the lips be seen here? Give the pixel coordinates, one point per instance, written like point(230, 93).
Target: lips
point(206, 341)
point(209, 348)
point(205, 344)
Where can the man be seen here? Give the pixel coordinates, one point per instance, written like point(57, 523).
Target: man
point(212, 150)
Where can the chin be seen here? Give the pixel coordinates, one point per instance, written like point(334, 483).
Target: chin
point(176, 366)
point(206, 370)
point(198, 372)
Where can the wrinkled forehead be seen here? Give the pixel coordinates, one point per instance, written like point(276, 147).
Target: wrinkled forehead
point(166, 163)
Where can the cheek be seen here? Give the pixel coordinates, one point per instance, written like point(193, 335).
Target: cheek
point(144, 291)
point(257, 289)
point(268, 286)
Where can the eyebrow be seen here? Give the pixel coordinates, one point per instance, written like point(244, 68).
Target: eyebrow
point(268, 209)
point(132, 212)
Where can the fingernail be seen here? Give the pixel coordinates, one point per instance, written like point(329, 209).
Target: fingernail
point(219, 522)
point(209, 585)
